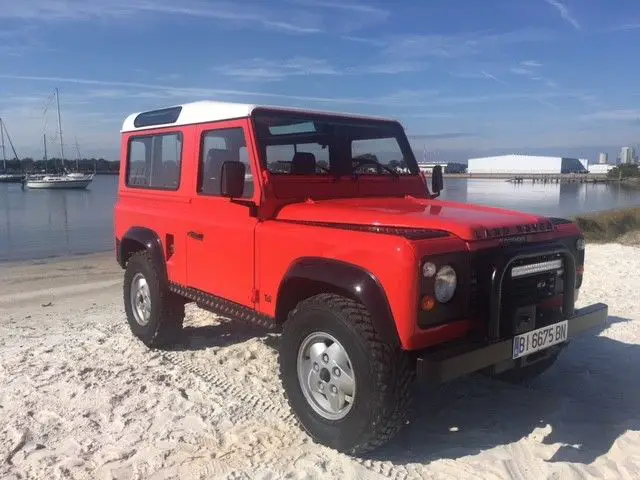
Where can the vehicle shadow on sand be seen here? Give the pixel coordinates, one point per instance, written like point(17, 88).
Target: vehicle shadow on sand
point(222, 334)
point(583, 404)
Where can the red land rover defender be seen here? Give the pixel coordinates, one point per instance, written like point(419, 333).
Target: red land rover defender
point(322, 225)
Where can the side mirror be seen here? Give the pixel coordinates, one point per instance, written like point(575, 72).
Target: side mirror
point(232, 179)
point(437, 181)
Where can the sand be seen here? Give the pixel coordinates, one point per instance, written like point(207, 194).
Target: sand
point(81, 398)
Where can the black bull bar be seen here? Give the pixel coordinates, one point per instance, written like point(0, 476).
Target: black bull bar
point(458, 359)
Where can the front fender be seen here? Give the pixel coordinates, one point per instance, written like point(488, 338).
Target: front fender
point(357, 282)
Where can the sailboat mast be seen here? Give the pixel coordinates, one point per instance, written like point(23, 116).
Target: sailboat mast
point(4, 152)
point(60, 127)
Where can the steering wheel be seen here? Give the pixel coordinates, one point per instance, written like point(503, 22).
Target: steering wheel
point(379, 167)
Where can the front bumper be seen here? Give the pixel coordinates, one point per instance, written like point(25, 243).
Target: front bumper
point(453, 361)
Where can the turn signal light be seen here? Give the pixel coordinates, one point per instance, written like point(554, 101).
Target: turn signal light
point(428, 303)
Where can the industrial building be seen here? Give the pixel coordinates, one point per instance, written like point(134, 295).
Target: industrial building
point(600, 168)
point(526, 164)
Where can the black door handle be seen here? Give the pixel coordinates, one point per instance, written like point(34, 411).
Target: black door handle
point(196, 235)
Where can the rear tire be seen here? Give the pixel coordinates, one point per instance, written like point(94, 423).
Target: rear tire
point(381, 374)
point(155, 315)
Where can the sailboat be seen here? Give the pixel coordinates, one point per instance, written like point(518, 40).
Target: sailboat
point(6, 177)
point(66, 180)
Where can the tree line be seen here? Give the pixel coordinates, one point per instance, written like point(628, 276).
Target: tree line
point(28, 164)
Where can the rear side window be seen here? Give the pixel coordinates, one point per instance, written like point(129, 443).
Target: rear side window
point(155, 161)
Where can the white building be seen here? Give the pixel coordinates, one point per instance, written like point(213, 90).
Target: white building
point(603, 158)
point(627, 155)
point(525, 164)
point(600, 168)
point(427, 167)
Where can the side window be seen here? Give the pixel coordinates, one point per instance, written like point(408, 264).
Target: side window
point(155, 161)
point(219, 146)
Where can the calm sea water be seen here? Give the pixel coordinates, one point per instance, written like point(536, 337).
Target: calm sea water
point(36, 224)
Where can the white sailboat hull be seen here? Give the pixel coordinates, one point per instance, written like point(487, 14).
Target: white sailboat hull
point(66, 182)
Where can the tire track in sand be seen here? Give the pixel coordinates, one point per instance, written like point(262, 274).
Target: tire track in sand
point(216, 380)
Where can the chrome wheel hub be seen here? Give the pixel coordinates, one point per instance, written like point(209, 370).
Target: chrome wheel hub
point(326, 376)
point(140, 298)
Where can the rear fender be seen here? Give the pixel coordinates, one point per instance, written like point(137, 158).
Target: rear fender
point(141, 238)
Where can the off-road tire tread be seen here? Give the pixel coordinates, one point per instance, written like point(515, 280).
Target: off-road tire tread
point(395, 372)
point(171, 306)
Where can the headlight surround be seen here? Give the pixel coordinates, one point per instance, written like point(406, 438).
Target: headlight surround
point(445, 284)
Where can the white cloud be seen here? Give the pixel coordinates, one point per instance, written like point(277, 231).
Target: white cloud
point(239, 13)
point(564, 13)
point(455, 46)
point(261, 69)
point(521, 71)
point(622, 115)
point(531, 64)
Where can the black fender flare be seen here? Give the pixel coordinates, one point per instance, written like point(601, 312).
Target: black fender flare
point(151, 243)
point(359, 283)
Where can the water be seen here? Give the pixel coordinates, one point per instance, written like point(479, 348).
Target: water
point(46, 223)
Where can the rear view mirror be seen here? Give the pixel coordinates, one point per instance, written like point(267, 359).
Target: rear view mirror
point(437, 181)
point(232, 179)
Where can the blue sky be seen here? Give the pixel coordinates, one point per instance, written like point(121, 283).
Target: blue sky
point(464, 76)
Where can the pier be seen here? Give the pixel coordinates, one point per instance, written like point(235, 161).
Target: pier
point(537, 177)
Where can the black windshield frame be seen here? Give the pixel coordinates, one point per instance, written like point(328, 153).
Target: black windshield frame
point(333, 130)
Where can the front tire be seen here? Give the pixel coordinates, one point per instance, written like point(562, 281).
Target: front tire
point(155, 315)
point(349, 389)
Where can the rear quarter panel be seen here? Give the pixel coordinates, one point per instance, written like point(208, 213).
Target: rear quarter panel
point(162, 211)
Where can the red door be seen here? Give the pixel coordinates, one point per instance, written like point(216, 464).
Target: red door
point(220, 234)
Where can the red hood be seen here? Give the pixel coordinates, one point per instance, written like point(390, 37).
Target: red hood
point(460, 219)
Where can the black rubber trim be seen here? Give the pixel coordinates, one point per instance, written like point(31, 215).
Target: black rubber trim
point(455, 360)
point(410, 233)
point(150, 241)
point(360, 284)
point(559, 221)
point(223, 307)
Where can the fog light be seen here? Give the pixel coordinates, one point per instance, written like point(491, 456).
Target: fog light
point(428, 270)
point(428, 303)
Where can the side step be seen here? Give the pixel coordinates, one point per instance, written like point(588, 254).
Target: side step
point(223, 307)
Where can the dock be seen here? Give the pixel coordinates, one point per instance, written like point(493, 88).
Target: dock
point(536, 177)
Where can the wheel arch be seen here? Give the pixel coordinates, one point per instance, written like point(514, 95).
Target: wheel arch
point(137, 239)
point(310, 276)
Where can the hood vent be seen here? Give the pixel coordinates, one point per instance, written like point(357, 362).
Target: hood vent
point(499, 232)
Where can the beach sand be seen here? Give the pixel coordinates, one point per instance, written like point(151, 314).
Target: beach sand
point(81, 398)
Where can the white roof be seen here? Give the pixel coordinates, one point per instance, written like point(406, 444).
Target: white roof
point(206, 111)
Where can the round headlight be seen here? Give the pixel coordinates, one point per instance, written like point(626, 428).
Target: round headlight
point(446, 283)
point(428, 270)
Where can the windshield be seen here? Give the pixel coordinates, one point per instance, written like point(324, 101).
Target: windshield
point(314, 144)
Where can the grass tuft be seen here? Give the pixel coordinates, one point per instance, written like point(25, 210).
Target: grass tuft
point(611, 225)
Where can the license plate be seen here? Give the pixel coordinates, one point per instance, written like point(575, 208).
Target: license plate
point(539, 339)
